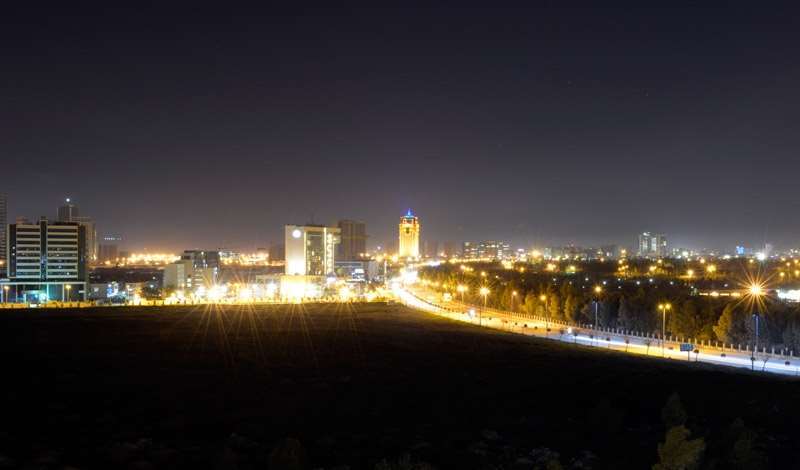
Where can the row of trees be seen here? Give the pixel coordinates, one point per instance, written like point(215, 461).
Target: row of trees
point(629, 307)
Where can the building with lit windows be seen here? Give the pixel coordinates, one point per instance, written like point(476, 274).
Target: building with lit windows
point(408, 246)
point(197, 269)
point(202, 259)
point(310, 260)
point(46, 261)
point(311, 249)
point(652, 245)
point(357, 271)
point(3, 222)
point(179, 276)
point(69, 212)
point(486, 250)
point(353, 244)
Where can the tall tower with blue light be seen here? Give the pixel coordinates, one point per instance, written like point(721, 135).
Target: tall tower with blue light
point(409, 236)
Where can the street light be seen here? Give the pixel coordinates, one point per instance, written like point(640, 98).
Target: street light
point(513, 299)
point(663, 308)
point(67, 287)
point(484, 292)
point(461, 289)
point(597, 291)
point(5, 294)
point(543, 299)
point(756, 290)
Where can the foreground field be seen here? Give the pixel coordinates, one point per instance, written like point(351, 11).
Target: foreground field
point(350, 385)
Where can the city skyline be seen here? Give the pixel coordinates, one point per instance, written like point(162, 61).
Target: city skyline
point(538, 126)
point(415, 236)
point(375, 243)
point(631, 242)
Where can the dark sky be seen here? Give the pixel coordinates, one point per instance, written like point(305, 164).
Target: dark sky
point(193, 127)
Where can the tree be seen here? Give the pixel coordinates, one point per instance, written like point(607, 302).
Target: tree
point(708, 318)
point(673, 414)
point(507, 301)
point(731, 327)
point(587, 313)
point(571, 308)
point(685, 319)
point(677, 452)
point(531, 303)
point(635, 312)
point(625, 317)
point(554, 305)
point(791, 334)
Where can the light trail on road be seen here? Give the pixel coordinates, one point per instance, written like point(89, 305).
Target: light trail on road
point(596, 338)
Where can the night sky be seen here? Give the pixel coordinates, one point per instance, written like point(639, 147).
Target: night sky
point(192, 127)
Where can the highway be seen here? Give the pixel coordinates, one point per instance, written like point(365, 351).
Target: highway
point(432, 302)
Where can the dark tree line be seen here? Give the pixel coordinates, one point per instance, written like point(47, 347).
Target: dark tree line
point(625, 305)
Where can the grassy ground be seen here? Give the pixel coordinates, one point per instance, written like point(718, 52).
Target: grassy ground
point(197, 387)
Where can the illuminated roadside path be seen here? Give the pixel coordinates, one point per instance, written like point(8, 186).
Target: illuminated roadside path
point(529, 325)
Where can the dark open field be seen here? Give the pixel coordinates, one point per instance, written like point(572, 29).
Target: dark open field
point(186, 387)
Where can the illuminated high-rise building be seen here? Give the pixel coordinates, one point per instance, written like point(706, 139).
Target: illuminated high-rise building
point(408, 246)
point(652, 245)
point(311, 249)
point(3, 230)
point(46, 261)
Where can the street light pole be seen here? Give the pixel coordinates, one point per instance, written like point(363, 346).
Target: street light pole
point(756, 291)
point(480, 319)
point(461, 289)
point(597, 291)
point(664, 308)
point(484, 292)
point(756, 318)
point(543, 299)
